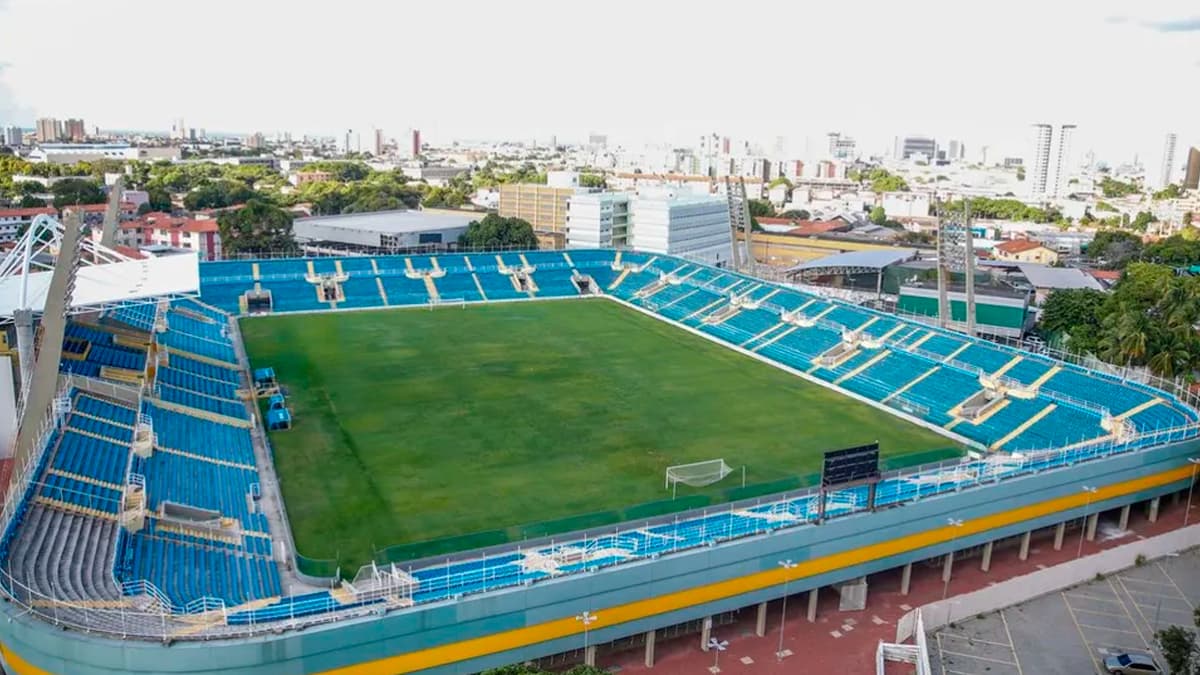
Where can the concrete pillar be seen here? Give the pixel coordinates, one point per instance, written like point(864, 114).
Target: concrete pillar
point(812, 605)
point(1152, 513)
point(1123, 523)
point(705, 633)
point(760, 625)
point(948, 566)
point(905, 578)
point(986, 563)
point(589, 656)
point(1092, 520)
point(650, 637)
point(1058, 535)
point(1024, 552)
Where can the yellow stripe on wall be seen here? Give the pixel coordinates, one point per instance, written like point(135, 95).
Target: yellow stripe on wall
point(610, 616)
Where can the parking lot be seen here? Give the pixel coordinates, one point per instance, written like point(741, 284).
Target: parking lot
point(1073, 630)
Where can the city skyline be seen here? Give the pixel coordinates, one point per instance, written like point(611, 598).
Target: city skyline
point(988, 99)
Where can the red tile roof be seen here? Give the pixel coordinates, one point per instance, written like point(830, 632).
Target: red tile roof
point(1018, 246)
point(806, 228)
point(100, 208)
point(167, 222)
point(28, 213)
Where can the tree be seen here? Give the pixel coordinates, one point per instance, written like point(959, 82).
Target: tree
point(759, 208)
point(495, 231)
point(76, 191)
point(1172, 191)
point(592, 180)
point(1075, 312)
point(258, 227)
point(796, 214)
point(884, 181)
point(878, 216)
point(1112, 188)
point(1177, 250)
point(159, 200)
point(1179, 648)
point(782, 180)
point(1142, 221)
point(1115, 248)
point(30, 202)
point(218, 195)
point(1020, 173)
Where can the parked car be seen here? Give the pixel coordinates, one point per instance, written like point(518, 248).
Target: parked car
point(1133, 663)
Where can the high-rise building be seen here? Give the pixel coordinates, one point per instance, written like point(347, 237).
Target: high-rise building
point(74, 131)
point(840, 145)
point(378, 149)
point(1191, 177)
point(918, 145)
point(255, 141)
point(597, 141)
point(1051, 155)
point(415, 150)
point(543, 206)
point(956, 151)
point(178, 131)
point(673, 223)
point(13, 136)
point(346, 142)
point(1167, 170)
point(598, 220)
point(48, 130)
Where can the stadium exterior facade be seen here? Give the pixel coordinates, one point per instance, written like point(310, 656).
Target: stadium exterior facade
point(479, 630)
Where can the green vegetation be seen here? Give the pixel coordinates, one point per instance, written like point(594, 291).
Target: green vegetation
point(877, 216)
point(1147, 320)
point(1179, 648)
point(592, 180)
point(1172, 191)
point(1112, 188)
point(882, 180)
point(494, 231)
point(1114, 249)
point(412, 424)
point(76, 191)
point(796, 214)
point(1004, 209)
point(258, 227)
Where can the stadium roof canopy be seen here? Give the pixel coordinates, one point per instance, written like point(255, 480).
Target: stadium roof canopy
point(853, 262)
point(105, 278)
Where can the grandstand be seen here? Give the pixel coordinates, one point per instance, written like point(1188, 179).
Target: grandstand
point(148, 512)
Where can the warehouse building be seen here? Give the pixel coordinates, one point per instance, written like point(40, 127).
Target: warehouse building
point(382, 230)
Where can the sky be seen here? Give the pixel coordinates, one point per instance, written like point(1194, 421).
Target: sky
point(658, 71)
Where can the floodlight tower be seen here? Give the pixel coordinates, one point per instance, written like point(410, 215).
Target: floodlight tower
point(739, 221)
point(955, 255)
point(39, 359)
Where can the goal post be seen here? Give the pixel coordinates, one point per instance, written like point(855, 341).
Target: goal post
point(697, 474)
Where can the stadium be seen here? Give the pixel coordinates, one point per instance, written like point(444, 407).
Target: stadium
point(438, 463)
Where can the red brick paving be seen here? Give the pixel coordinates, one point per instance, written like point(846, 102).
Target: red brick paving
point(814, 647)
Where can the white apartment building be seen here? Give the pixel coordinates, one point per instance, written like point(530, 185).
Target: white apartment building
point(695, 226)
point(1166, 170)
point(1051, 156)
point(656, 220)
point(12, 221)
point(598, 220)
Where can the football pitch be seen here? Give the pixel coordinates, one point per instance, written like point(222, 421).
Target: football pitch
point(413, 424)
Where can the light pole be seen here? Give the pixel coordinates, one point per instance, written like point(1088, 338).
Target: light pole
point(955, 523)
point(587, 618)
point(1195, 462)
point(786, 565)
point(717, 646)
point(1083, 530)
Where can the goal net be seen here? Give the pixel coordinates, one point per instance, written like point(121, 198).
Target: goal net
point(698, 474)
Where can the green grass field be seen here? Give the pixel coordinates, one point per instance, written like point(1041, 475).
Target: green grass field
point(417, 424)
